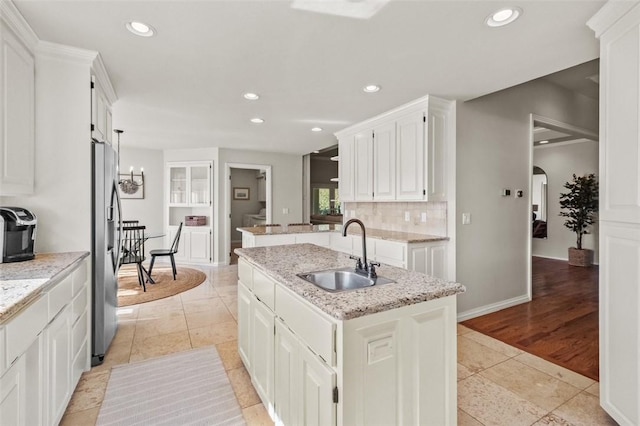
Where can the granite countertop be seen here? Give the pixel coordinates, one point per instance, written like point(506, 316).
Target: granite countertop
point(282, 263)
point(399, 236)
point(22, 282)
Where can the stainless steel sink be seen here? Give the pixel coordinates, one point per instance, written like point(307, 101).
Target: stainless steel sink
point(342, 279)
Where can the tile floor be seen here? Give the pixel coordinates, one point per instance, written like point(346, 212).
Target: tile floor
point(497, 384)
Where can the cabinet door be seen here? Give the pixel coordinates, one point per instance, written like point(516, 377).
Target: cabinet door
point(384, 166)
point(430, 259)
point(288, 378)
point(13, 397)
point(99, 108)
point(262, 350)
point(410, 157)
point(200, 246)
point(59, 357)
point(316, 392)
point(363, 158)
point(244, 324)
point(346, 168)
point(108, 125)
point(177, 185)
point(340, 243)
point(262, 188)
point(17, 112)
point(200, 185)
point(436, 169)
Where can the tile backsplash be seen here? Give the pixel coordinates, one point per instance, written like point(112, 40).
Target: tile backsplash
point(391, 216)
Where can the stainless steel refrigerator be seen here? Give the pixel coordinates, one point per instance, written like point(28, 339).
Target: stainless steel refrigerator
point(106, 225)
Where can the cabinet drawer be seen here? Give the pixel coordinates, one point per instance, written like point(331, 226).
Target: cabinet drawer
point(24, 328)
point(340, 243)
point(79, 305)
point(80, 276)
point(390, 250)
point(60, 295)
point(263, 288)
point(78, 334)
point(245, 273)
point(310, 326)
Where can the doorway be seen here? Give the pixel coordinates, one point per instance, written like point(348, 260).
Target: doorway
point(247, 202)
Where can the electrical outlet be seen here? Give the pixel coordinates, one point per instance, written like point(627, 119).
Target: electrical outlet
point(506, 192)
point(285, 210)
point(466, 218)
point(519, 193)
point(407, 216)
point(423, 217)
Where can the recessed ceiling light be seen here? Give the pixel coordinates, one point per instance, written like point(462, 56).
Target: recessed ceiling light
point(251, 96)
point(315, 152)
point(257, 120)
point(503, 17)
point(371, 88)
point(316, 129)
point(543, 142)
point(140, 28)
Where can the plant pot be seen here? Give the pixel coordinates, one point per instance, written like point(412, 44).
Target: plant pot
point(583, 257)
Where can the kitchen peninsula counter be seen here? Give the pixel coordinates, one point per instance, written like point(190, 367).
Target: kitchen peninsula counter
point(398, 236)
point(282, 263)
point(22, 282)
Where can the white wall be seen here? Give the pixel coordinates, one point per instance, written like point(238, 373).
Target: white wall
point(493, 136)
point(286, 187)
point(150, 210)
point(62, 196)
point(243, 178)
point(560, 162)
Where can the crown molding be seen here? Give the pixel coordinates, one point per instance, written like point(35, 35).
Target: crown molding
point(609, 14)
point(102, 75)
point(68, 53)
point(14, 19)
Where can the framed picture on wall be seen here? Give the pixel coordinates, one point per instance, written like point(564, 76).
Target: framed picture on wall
point(131, 186)
point(240, 193)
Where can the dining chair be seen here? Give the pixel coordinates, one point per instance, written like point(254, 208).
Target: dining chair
point(133, 250)
point(167, 252)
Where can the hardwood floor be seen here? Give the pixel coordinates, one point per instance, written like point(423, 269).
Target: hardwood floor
point(560, 324)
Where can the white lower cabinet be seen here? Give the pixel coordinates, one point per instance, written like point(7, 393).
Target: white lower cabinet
point(45, 349)
point(393, 367)
point(194, 245)
point(58, 338)
point(429, 258)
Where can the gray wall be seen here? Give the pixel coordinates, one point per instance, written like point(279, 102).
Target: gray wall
point(150, 210)
point(493, 152)
point(243, 178)
point(560, 162)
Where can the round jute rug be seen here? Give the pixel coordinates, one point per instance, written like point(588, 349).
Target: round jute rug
point(130, 292)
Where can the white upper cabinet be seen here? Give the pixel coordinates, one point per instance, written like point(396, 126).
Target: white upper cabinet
point(384, 162)
point(400, 155)
point(363, 159)
point(346, 176)
point(101, 127)
point(17, 114)
point(410, 157)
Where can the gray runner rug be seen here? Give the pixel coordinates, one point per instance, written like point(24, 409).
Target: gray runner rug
point(186, 388)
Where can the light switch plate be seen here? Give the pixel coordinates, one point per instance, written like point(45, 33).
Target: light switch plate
point(285, 210)
point(407, 216)
point(423, 217)
point(466, 218)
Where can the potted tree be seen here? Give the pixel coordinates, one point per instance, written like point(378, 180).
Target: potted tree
point(580, 205)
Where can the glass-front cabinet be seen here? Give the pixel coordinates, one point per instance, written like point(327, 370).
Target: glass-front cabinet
point(189, 201)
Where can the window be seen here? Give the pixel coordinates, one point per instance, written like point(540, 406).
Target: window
point(325, 201)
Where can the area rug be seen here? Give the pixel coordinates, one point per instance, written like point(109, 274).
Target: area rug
point(186, 388)
point(131, 293)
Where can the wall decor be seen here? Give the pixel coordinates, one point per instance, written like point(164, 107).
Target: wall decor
point(240, 193)
point(131, 186)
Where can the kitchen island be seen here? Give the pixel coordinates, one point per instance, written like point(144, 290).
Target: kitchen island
point(416, 252)
point(379, 355)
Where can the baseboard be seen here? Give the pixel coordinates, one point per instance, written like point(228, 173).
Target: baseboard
point(494, 307)
point(558, 258)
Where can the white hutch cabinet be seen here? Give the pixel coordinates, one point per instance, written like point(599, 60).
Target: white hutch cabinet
point(189, 193)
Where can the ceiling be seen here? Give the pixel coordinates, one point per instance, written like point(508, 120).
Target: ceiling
point(183, 87)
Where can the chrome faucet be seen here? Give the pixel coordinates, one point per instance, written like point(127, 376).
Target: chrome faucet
point(362, 267)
